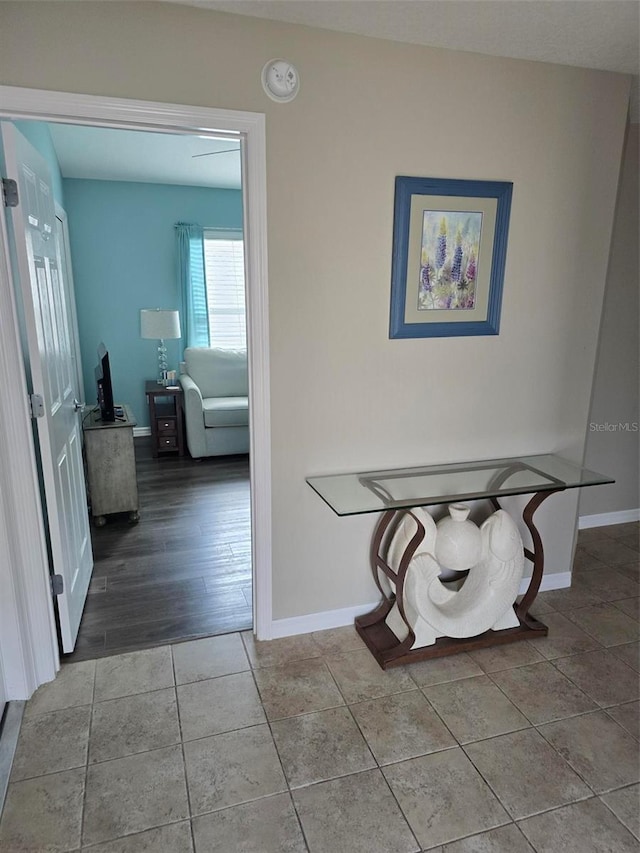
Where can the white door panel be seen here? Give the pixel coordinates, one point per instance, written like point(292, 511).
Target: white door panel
point(47, 320)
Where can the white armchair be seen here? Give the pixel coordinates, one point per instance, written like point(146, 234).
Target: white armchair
point(216, 404)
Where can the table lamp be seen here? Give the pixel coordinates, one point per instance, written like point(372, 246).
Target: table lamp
point(161, 324)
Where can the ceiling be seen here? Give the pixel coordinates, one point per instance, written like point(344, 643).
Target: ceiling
point(602, 34)
point(106, 154)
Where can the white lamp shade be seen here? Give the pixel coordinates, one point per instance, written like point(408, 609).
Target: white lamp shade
point(159, 323)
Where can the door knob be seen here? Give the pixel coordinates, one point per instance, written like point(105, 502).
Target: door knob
point(78, 406)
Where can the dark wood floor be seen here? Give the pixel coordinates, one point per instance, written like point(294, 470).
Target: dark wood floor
point(184, 570)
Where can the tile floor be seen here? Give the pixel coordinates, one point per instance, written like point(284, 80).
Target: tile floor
point(225, 745)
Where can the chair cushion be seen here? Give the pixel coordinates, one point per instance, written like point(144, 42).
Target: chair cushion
point(225, 411)
point(216, 372)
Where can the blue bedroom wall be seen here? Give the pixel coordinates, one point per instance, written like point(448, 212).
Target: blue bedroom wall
point(39, 135)
point(123, 248)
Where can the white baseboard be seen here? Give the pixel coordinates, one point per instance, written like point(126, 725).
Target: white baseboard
point(140, 432)
point(9, 732)
point(561, 580)
point(606, 518)
point(339, 618)
point(318, 621)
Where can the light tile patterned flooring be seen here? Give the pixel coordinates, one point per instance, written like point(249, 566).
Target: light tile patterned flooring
point(224, 745)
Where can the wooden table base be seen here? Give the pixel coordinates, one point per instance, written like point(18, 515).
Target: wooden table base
point(386, 648)
point(383, 644)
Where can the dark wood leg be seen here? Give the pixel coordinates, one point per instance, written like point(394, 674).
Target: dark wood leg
point(388, 522)
point(372, 625)
point(179, 424)
point(153, 423)
point(386, 527)
point(536, 556)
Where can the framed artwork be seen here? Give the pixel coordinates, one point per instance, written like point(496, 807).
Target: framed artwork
point(449, 251)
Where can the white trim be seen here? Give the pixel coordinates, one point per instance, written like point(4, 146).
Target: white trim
point(560, 580)
point(72, 108)
point(254, 185)
point(170, 118)
point(319, 621)
point(345, 616)
point(28, 640)
point(604, 519)
point(9, 733)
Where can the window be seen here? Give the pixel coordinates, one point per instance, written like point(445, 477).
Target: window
point(224, 276)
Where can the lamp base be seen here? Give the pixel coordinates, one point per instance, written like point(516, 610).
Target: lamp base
point(162, 363)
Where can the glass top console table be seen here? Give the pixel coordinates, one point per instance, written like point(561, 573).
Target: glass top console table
point(398, 495)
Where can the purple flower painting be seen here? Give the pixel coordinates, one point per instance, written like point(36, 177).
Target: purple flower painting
point(449, 259)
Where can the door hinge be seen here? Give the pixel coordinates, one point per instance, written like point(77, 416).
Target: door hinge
point(57, 584)
point(10, 192)
point(36, 404)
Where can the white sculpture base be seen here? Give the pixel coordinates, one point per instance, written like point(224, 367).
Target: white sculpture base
point(425, 635)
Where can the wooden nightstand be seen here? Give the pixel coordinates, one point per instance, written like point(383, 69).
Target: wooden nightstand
point(165, 418)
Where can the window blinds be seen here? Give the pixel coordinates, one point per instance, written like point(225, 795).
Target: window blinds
point(224, 274)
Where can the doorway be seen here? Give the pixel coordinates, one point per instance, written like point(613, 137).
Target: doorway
point(184, 570)
point(164, 118)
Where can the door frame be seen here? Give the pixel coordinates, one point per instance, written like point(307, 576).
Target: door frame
point(28, 638)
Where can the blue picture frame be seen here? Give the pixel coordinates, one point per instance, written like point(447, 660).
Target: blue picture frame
point(458, 290)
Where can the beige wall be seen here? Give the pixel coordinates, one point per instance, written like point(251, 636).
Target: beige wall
point(610, 448)
point(344, 396)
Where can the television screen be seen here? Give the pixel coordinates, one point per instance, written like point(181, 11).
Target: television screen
point(103, 383)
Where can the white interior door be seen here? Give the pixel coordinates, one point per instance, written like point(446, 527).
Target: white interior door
point(53, 376)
